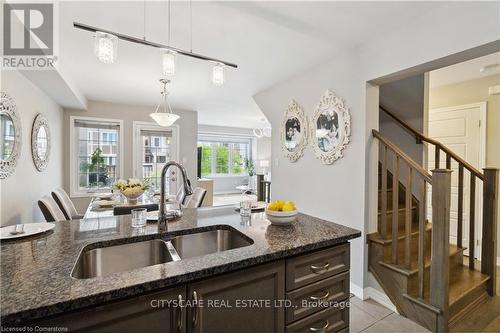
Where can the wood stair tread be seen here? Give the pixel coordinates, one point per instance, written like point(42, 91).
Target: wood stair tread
point(454, 250)
point(377, 237)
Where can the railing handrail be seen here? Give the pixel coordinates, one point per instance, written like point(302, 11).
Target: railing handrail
point(403, 155)
point(442, 147)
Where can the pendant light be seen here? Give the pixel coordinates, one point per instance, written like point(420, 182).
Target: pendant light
point(218, 74)
point(163, 114)
point(105, 47)
point(168, 57)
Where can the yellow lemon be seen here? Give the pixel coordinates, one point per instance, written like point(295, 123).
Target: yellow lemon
point(272, 206)
point(279, 204)
point(288, 206)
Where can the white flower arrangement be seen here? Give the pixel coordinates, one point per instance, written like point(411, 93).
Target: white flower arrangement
point(131, 188)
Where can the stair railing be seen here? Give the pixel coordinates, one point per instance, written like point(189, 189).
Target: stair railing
point(440, 181)
point(424, 178)
point(489, 180)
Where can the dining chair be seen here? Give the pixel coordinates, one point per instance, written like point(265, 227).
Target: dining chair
point(195, 200)
point(50, 209)
point(181, 195)
point(65, 204)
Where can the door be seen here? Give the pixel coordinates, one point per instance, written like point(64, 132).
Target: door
point(153, 147)
point(461, 129)
point(245, 301)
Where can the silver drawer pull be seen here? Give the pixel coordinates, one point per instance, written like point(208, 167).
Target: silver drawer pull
point(180, 314)
point(321, 329)
point(320, 298)
point(316, 269)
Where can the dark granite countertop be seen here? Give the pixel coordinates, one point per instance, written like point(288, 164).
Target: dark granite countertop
point(35, 271)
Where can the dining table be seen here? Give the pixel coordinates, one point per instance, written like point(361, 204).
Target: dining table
point(95, 211)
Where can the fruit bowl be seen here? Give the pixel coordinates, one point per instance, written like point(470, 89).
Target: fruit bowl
point(281, 217)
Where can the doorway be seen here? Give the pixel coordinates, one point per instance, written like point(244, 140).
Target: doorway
point(461, 128)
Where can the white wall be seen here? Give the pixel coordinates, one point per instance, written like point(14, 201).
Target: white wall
point(188, 125)
point(345, 192)
point(21, 191)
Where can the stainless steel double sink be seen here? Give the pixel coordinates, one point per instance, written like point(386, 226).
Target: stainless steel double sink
point(102, 261)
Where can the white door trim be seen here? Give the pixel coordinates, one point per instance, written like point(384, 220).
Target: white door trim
point(482, 163)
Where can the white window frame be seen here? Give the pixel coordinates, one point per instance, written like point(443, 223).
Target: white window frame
point(140, 125)
point(227, 138)
point(73, 187)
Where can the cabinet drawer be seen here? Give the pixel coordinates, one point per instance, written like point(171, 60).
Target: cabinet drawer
point(327, 321)
point(309, 268)
point(317, 296)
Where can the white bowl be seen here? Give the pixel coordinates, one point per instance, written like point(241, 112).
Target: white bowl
point(281, 218)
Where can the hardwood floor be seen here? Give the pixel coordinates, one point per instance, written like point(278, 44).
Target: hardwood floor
point(486, 318)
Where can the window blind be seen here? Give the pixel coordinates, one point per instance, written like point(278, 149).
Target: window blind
point(97, 125)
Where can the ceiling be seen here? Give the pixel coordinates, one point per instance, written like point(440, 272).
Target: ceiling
point(467, 70)
point(270, 41)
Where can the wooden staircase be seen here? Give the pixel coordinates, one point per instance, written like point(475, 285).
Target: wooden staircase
point(412, 258)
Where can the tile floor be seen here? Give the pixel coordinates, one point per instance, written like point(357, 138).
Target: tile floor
point(369, 316)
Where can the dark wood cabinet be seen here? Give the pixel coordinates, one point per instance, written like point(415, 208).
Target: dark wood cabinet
point(281, 296)
point(245, 301)
point(150, 313)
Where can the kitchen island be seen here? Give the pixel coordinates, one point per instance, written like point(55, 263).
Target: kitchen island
point(37, 285)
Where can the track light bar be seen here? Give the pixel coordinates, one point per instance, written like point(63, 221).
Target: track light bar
point(152, 44)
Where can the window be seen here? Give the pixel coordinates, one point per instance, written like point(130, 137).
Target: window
point(153, 152)
point(224, 156)
point(95, 153)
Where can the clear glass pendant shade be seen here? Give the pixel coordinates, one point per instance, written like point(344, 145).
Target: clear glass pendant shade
point(105, 47)
point(218, 75)
point(168, 60)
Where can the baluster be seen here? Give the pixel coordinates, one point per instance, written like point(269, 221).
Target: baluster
point(490, 225)
point(436, 157)
point(408, 216)
point(448, 161)
point(421, 238)
point(395, 207)
point(472, 215)
point(460, 208)
point(383, 208)
point(440, 264)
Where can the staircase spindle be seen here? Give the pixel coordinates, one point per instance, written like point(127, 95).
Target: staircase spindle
point(436, 157)
point(383, 199)
point(448, 161)
point(472, 215)
point(460, 208)
point(408, 215)
point(490, 225)
point(395, 207)
point(421, 238)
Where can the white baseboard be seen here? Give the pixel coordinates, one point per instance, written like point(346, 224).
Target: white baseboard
point(357, 291)
point(380, 298)
point(374, 294)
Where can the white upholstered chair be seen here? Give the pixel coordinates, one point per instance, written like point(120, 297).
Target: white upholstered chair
point(50, 209)
point(65, 204)
point(195, 200)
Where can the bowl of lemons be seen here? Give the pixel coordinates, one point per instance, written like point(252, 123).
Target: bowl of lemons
point(281, 212)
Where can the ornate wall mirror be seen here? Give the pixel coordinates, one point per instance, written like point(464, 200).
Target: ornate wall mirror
point(294, 132)
point(10, 136)
point(330, 128)
point(40, 142)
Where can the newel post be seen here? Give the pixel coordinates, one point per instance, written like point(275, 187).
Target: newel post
point(440, 270)
point(490, 225)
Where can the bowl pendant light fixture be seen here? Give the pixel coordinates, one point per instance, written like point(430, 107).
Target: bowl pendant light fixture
point(163, 114)
point(105, 47)
point(218, 74)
